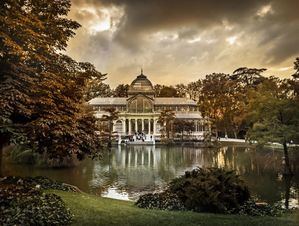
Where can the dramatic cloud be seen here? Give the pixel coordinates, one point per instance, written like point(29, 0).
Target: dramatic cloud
point(180, 41)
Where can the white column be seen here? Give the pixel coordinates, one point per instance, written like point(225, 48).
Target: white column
point(149, 126)
point(113, 126)
point(130, 131)
point(142, 124)
point(124, 127)
point(154, 132)
point(136, 129)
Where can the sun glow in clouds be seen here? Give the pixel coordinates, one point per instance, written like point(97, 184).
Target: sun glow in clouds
point(99, 26)
point(232, 40)
point(100, 20)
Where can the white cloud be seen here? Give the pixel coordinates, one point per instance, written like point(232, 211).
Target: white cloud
point(264, 10)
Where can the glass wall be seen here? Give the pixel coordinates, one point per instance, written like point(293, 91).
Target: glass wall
point(141, 105)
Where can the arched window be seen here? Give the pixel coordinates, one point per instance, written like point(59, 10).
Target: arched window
point(118, 126)
point(133, 106)
point(147, 105)
point(140, 105)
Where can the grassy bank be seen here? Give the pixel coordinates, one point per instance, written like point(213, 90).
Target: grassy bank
point(94, 210)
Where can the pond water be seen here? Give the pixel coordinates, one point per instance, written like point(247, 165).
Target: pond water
point(127, 172)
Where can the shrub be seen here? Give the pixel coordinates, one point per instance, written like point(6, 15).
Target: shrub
point(252, 208)
point(163, 200)
point(210, 190)
point(23, 203)
point(40, 181)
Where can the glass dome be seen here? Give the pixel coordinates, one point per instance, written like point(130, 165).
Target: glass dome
point(141, 85)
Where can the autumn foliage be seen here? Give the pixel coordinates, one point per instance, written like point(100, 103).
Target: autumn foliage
point(42, 90)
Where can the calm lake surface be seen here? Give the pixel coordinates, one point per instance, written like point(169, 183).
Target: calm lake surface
point(129, 171)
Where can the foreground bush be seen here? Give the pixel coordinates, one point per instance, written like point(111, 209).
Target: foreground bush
point(251, 208)
point(210, 190)
point(41, 182)
point(201, 190)
point(164, 201)
point(22, 202)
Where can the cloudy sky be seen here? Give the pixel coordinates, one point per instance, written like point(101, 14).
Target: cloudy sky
point(178, 41)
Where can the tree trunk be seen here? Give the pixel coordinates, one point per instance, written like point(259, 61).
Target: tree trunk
point(287, 166)
point(1, 154)
point(4, 140)
point(287, 180)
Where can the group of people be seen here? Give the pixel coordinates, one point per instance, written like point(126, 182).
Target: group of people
point(140, 136)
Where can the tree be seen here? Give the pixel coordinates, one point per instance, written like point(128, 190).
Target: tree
point(96, 88)
point(181, 90)
point(42, 90)
point(294, 83)
point(121, 90)
point(249, 77)
point(181, 126)
point(215, 100)
point(274, 117)
point(193, 90)
point(157, 89)
point(296, 68)
point(112, 115)
point(166, 118)
point(168, 91)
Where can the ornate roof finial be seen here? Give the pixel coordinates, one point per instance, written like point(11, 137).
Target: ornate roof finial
point(141, 71)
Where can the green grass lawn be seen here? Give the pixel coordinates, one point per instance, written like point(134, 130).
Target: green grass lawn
point(94, 210)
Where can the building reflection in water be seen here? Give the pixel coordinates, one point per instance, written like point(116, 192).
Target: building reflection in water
point(134, 170)
point(127, 172)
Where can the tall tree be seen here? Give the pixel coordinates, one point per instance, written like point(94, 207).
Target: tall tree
point(294, 83)
point(249, 77)
point(157, 89)
point(95, 87)
point(181, 126)
point(168, 91)
point(274, 117)
point(181, 90)
point(121, 90)
point(215, 100)
point(296, 68)
point(112, 115)
point(193, 90)
point(166, 119)
point(41, 94)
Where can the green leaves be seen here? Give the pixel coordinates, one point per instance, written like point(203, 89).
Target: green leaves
point(210, 190)
point(22, 202)
point(273, 113)
point(166, 119)
point(202, 190)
